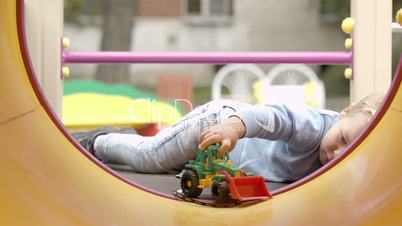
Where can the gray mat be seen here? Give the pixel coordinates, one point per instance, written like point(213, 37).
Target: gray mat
point(166, 183)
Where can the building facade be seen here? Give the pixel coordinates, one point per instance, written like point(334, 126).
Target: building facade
point(215, 25)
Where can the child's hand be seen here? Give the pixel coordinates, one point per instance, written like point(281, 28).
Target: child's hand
point(226, 133)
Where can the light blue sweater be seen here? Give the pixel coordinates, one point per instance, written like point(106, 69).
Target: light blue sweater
point(282, 142)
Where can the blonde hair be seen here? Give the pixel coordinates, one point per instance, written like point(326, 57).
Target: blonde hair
point(368, 105)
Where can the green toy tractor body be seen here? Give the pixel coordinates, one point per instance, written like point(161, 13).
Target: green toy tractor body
point(225, 179)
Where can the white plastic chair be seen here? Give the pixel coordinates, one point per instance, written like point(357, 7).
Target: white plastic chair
point(293, 83)
point(238, 79)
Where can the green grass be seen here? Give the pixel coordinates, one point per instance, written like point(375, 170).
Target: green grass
point(335, 83)
point(202, 94)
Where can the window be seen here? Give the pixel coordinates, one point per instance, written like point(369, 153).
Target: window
point(218, 7)
point(208, 12)
point(194, 7)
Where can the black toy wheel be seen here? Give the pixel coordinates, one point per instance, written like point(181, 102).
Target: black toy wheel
point(189, 184)
point(220, 190)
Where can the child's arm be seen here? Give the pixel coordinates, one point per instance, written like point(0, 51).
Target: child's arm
point(299, 127)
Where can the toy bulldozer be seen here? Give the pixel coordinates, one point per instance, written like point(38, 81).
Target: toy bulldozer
point(226, 181)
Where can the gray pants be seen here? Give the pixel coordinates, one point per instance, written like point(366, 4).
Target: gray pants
point(171, 148)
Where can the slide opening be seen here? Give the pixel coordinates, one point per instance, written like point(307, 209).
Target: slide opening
point(39, 94)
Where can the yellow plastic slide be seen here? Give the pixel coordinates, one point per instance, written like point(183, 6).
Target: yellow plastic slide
point(47, 180)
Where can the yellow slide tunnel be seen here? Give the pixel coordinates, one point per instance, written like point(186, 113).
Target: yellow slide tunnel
point(47, 180)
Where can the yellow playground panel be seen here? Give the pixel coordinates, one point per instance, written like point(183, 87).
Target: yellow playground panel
point(85, 110)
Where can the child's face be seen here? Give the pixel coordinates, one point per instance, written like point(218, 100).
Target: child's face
point(341, 135)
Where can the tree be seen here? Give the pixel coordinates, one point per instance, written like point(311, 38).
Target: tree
point(117, 26)
point(117, 33)
point(336, 10)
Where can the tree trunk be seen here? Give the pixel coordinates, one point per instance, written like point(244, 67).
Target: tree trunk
point(117, 32)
